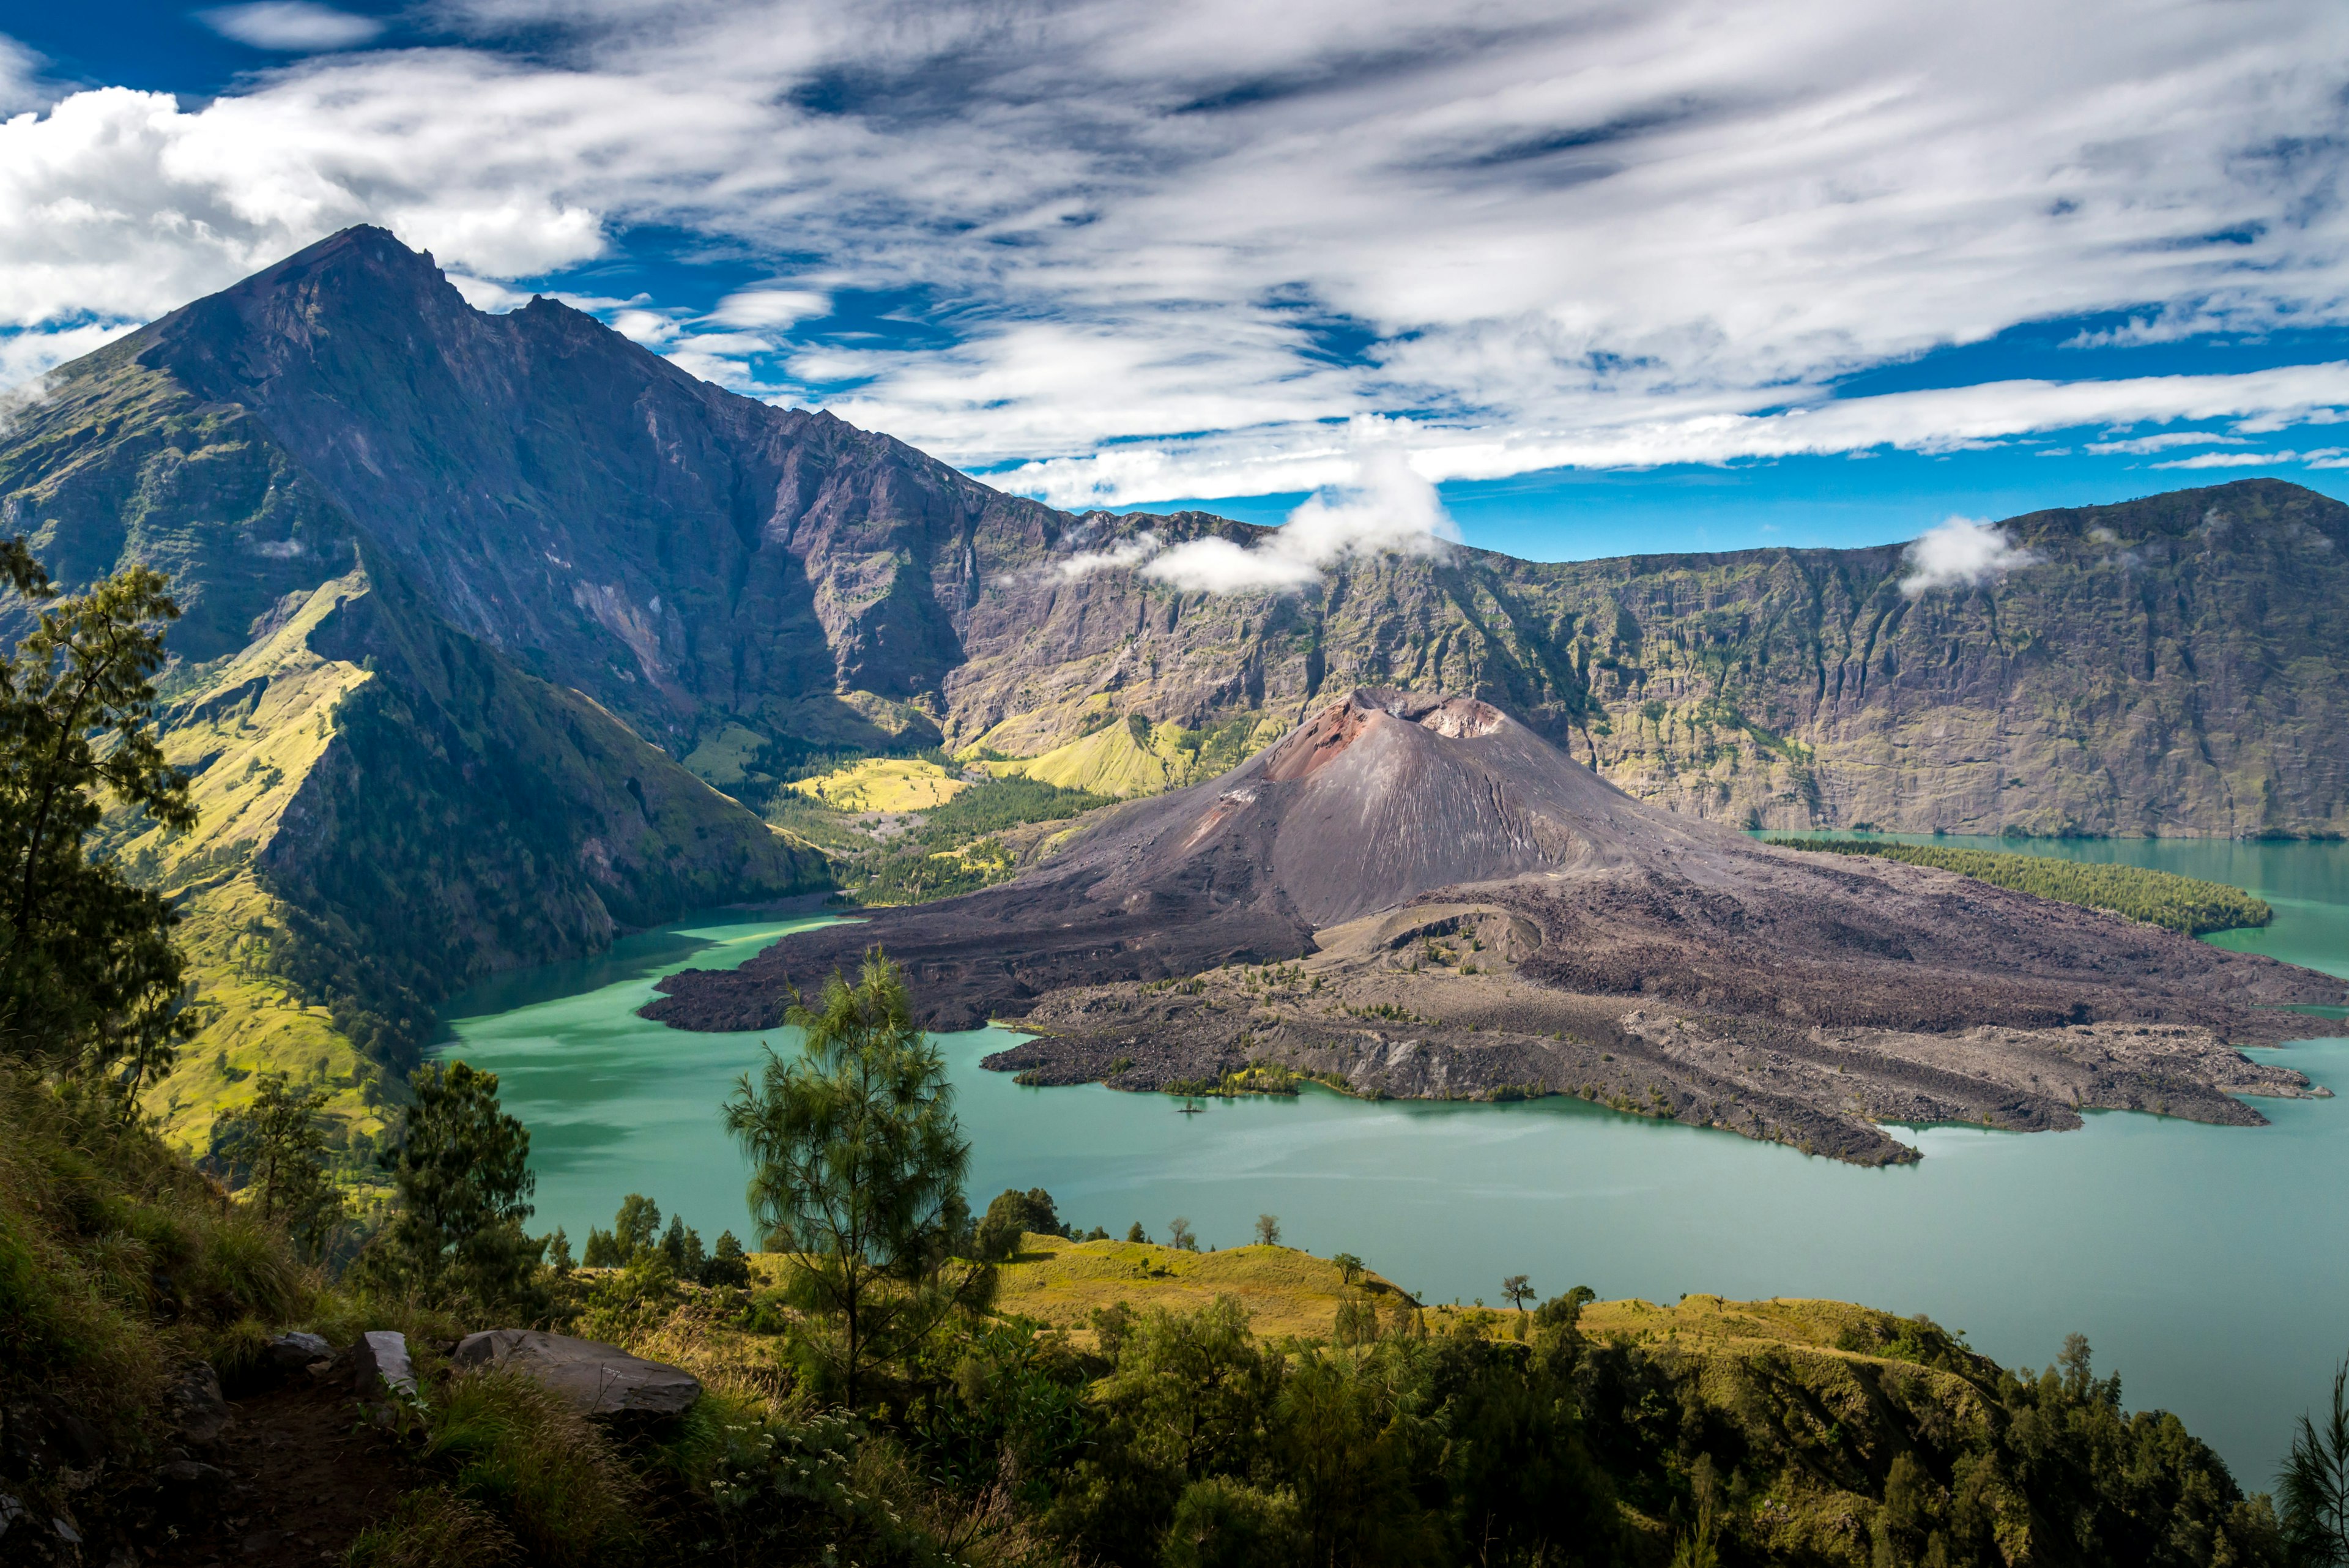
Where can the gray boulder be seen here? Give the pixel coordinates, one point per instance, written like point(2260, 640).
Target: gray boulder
point(294, 1352)
point(198, 1410)
point(594, 1379)
point(379, 1361)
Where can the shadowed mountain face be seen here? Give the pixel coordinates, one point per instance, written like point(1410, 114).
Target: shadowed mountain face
point(1384, 800)
point(674, 550)
point(392, 807)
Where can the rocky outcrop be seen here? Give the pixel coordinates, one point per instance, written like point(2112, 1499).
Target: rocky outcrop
point(594, 1378)
point(381, 1365)
point(197, 1410)
point(298, 1352)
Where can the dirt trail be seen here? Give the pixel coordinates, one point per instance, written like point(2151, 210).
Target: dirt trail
point(304, 1474)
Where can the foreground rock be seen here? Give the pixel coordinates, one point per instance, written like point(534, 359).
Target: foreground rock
point(596, 1379)
point(1468, 911)
point(380, 1364)
point(197, 1411)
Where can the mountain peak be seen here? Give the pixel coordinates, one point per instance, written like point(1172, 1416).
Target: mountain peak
point(362, 257)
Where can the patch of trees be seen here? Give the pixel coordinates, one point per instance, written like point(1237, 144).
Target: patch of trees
point(637, 1236)
point(2184, 904)
point(956, 848)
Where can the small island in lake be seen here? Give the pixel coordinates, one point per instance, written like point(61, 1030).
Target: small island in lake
point(1414, 894)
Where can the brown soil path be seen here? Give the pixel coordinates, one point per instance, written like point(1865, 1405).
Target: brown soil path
point(306, 1474)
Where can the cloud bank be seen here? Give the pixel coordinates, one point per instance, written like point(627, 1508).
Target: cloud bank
point(1385, 506)
point(1141, 251)
point(1961, 552)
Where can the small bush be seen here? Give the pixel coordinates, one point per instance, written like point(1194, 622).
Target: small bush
point(434, 1529)
point(542, 1469)
point(242, 1268)
point(239, 1354)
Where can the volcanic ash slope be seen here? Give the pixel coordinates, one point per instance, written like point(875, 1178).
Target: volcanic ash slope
point(1417, 896)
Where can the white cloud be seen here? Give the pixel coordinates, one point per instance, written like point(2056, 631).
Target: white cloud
point(486, 294)
point(2141, 445)
point(1961, 552)
point(1387, 507)
point(1125, 553)
point(651, 329)
point(21, 86)
point(293, 27)
point(2231, 459)
point(1255, 462)
point(1219, 566)
point(770, 307)
point(26, 356)
point(1176, 250)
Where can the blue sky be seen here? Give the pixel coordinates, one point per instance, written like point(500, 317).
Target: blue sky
point(1673, 277)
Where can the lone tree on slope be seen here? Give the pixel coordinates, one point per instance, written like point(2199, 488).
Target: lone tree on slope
point(857, 1165)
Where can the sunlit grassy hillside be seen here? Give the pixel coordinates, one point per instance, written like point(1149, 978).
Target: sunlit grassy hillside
point(883, 783)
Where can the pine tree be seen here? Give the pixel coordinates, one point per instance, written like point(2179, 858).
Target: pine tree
point(857, 1155)
point(2312, 1492)
point(90, 980)
point(461, 1171)
point(727, 1264)
point(274, 1149)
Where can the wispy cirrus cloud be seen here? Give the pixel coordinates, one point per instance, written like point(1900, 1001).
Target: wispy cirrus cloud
point(294, 27)
point(1184, 250)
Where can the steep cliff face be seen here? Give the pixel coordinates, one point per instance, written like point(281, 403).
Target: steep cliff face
point(680, 554)
point(2170, 665)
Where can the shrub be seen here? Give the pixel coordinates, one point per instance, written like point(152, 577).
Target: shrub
point(1222, 1523)
point(1013, 1215)
point(728, 1266)
point(434, 1529)
point(543, 1469)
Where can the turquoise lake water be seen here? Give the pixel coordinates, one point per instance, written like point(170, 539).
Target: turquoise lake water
point(2207, 1265)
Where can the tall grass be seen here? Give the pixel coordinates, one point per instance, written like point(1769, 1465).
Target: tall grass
point(117, 1258)
point(549, 1475)
point(434, 1529)
point(2184, 904)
